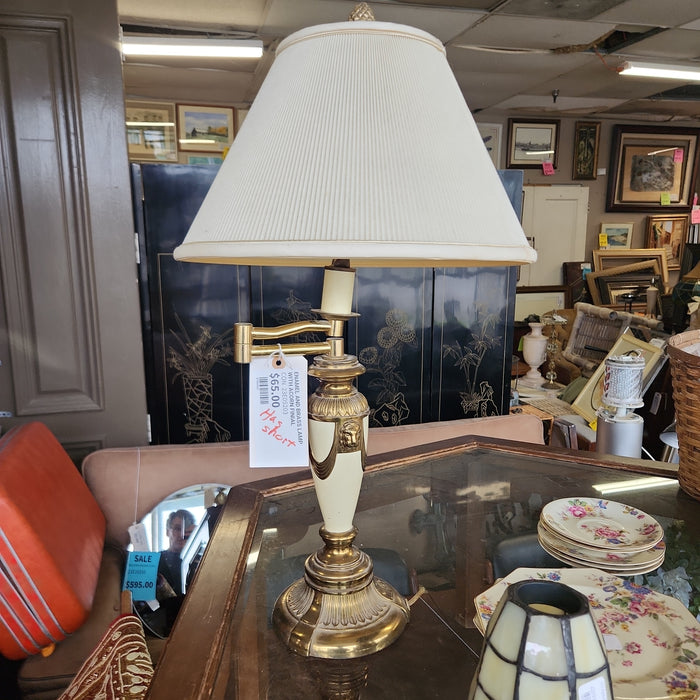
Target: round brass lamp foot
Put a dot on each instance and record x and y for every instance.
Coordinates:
(339, 610)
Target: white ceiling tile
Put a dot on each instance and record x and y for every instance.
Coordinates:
(235, 14)
(443, 23)
(659, 13)
(530, 32)
(671, 43)
(517, 80)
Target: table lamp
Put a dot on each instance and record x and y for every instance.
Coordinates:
(360, 150)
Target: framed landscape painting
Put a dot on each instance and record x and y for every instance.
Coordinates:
(532, 142)
(616, 235)
(202, 128)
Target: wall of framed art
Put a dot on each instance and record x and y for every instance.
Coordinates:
(179, 133)
(625, 186)
(596, 154)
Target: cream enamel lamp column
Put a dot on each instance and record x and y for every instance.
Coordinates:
(359, 150)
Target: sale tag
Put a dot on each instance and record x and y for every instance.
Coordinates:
(695, 215)
(141, 574)
(602, 240)
(547, 168)
(665, 199)
(279, 429)
(678, 155)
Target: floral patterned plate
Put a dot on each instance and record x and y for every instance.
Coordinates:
(607, 559)
(653, 642)
(649, 560)
(600, 523)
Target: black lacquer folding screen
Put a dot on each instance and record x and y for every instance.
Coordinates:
(436, 343)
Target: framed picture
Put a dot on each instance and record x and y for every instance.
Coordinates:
(606, 259)
(539, 300)
(150, 130)
(532, 142)
(598, 281)
(202, 128)
(622, 290)
(586, 139)
(491, 135)
(652, 168)
(668, 233)
(575, 280)
(204, 160)
(615, 235)
(589, 399)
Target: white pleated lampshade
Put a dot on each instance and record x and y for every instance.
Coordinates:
(359, 145)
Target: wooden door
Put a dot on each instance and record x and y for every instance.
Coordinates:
(554, 219)
(70, 336)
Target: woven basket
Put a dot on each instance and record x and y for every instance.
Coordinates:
(685, 376)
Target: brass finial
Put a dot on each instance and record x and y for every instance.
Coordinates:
(362, 12)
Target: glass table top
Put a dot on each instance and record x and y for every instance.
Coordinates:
(444, 522)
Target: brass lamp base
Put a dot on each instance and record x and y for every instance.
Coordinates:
(339, 610)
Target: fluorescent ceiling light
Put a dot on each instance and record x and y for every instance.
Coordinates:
(640, 484)
(193, 47)
(660, 70)
(150, 123)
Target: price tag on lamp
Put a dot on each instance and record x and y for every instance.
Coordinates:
(278, 411)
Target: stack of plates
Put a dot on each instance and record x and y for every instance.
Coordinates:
(592, 532)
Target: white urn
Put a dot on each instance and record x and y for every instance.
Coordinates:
(534, 353)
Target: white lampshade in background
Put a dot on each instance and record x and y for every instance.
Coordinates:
(359, 145)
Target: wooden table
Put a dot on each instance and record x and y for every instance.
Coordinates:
(429, 516)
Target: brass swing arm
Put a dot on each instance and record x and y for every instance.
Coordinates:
(244, 335)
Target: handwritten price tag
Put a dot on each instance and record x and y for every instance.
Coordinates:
(547, 168)
(279, 430)
(665, 199)
(695, 216)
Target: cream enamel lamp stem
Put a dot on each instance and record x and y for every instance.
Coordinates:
(309, 616)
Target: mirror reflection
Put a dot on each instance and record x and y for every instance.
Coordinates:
(179, 527)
